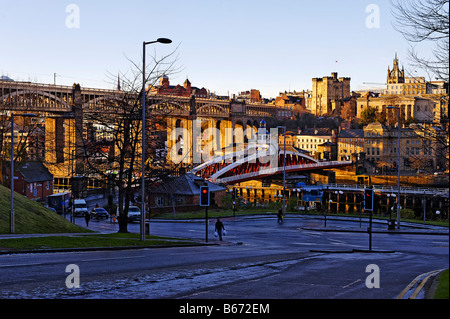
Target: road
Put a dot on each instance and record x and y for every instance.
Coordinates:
(258, 259)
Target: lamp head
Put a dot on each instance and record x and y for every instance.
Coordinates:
(164, 40)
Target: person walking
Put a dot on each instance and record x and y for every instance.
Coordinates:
(219, 228)
(87, 217)
(280, 216)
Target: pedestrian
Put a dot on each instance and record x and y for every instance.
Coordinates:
(280, 216)
(219, 228)
(87, 217)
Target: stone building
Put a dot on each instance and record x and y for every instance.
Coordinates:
(425, 101)
(417, 152)
(310, 139)
(328, 94)
(419, 108)
(350, 144)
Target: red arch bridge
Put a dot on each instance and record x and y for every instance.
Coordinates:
(256, 162)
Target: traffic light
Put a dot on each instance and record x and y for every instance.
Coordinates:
(368, 199)
(204, 196)
(233, 193)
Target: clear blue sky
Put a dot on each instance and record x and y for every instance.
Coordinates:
(224, 45)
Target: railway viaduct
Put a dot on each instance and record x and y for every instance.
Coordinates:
(63, 112)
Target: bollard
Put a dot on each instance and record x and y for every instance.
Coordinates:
(391, 224)
(147, 228)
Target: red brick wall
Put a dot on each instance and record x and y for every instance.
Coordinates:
(43, 189)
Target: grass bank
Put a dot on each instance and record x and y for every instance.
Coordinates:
(32, 217)
(442, 288)
(88, 241)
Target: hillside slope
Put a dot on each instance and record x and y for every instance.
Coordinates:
(32, 217)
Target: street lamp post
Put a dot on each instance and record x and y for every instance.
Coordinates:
(398, 163)
(165, 41)
(12, 223)
(284, 170)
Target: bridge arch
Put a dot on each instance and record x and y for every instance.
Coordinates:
(104, 101)
(171, 108)
(256, 162)
(211, 109)
(35, 94)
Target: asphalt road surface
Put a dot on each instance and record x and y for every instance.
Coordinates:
(258, 259)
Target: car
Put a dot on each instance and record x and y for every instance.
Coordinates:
(99, 212)
(134, 213)
(52, 209)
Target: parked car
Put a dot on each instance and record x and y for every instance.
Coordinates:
(134, 213)
(99, 212)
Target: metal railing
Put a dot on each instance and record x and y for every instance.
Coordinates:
(390, 189)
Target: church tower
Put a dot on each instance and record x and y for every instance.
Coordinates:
(164, 81)
(396, 75)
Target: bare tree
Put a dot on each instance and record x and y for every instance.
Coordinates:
(112, 135)
(421, 21)
(420, 162)
(25, 130)
(434, 144)
(384, 165)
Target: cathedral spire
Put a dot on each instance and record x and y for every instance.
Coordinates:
(396, 75)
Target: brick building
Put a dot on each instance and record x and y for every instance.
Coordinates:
(32, 179)
(290, 104)
(182, 194)
(187, 89)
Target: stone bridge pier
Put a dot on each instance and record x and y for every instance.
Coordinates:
(196, 140)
